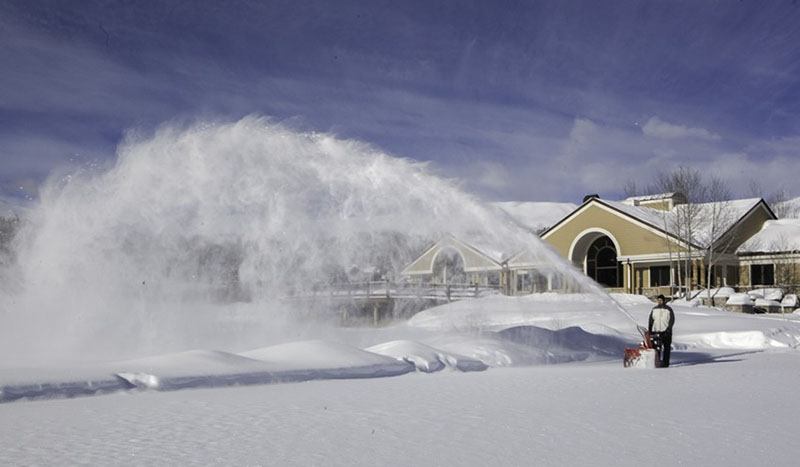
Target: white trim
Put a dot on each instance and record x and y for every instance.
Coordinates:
(770, 259)
(586, 232)
(696, 254)
(484, 269)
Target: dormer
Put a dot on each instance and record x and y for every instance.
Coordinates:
(660, 201)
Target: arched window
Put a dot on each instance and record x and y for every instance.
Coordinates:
(448, 268)
(601, 263)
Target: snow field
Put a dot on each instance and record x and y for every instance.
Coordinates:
(727, 412)
(556, 394)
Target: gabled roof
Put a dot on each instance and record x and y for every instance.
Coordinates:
(659, 220)
(649, 218)
(740, 209)
(475, 259)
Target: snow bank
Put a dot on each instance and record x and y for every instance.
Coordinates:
(531, 345)
(544, 310)
(294, 362)
(329, 360)
(37, 383)
(745, 340)
(494, 351)
(740, 299)
(192, 369)
(790, 300)
(426, 358)
(770, 293)
(567, 341)
(721, 292)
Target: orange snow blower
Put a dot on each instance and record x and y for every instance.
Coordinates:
(644, 356)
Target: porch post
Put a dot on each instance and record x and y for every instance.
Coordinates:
(702, 267)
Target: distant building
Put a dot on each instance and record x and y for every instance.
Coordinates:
(632, 246)
(452, 261)
(629, 246)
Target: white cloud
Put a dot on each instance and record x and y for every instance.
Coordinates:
(658, 128)
(492, 176)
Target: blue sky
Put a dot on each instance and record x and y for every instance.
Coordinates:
(518, 100)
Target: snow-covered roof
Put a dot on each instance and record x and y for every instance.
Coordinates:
(779, 235)
(654, 217)
(534, 215)
(734, 210)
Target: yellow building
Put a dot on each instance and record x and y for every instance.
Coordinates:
(634, 245)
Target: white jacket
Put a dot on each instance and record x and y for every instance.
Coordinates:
(661, 318)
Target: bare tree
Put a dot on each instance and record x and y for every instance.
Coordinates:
(778, 200)
(685, 218)
(719, 218)
(630, 188)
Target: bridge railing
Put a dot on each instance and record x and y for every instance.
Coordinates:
(387, 290)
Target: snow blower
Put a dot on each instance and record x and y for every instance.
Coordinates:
(644, 356)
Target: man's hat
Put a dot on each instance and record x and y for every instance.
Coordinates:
(661, 297)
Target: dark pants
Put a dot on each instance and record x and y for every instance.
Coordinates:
(662, 341)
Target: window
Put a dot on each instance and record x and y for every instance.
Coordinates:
(659, 276)
(602, 264)
(762, 274)
(732, 273)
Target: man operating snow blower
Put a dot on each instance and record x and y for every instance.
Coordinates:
(662, 318)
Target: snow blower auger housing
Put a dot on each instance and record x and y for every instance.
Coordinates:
(644, 356)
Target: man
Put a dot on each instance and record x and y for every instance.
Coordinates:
(662, 318)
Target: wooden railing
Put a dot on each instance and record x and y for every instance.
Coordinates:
(374, 290)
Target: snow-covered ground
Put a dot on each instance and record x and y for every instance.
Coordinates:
(534, 380)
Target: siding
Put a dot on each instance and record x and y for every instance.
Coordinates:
(632, 239)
